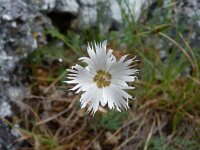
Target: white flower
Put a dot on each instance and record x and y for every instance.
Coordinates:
(103, 80)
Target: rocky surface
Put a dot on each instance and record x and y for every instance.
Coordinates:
(87, 13)
(69, 6)
(106, 13)
(133, 8)
(7, 137)
(189, 12)
(21, 29)
(182, 14)
(61, 6)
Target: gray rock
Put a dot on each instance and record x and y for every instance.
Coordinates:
(47, 5)
(8, 137)
(18, 21)
(67, 6)
(101, 12)
(11, 10)
(5, 137)
(106, 13)
(115, 9)
(59, 6)
(89, 13)
(163, 54)
(185, 14)
(5, 109)
(87, 2)
(133, 8)
(87, 17)
(189, 14)
(189, 8)
(109, 15)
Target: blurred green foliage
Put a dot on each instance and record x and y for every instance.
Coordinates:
(112, 120)
(177, 143)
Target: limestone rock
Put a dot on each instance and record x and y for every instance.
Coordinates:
(69, 6)
(21, 29)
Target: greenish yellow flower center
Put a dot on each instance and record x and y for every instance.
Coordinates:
(102, 78)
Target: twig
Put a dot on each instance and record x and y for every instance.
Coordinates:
(93, 140)
(54, 82)
(195, 80)
(195, 119)
(59, 114)
(76, 132)
(45, 98)
(160, 128)
(127, 124)
(150, 102)
(132, 137)
(149, 136)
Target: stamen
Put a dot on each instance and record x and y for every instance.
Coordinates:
(102, 78)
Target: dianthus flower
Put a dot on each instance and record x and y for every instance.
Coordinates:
(103, 80)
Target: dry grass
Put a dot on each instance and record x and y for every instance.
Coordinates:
(52, 120)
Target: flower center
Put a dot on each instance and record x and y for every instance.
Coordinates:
(102, 78)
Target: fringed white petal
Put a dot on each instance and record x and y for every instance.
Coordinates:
(113, 95)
